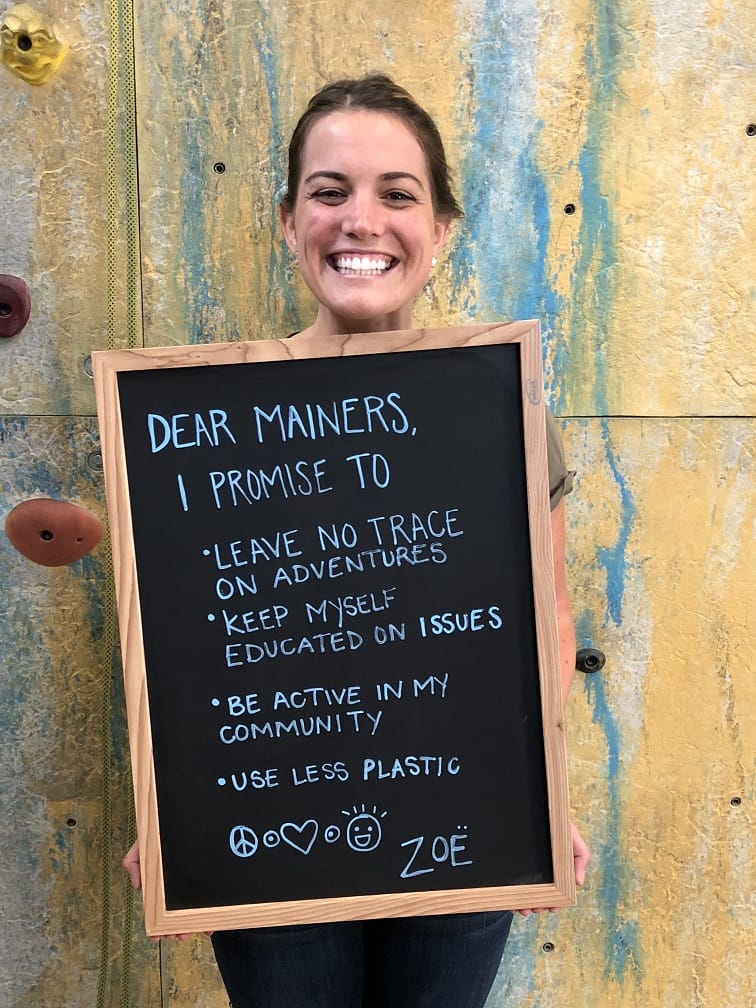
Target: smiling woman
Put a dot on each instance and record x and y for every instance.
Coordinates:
(368, 207)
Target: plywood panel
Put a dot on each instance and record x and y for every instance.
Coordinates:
(55, 664)
(53, 226)
(642, 290)
(663, 739)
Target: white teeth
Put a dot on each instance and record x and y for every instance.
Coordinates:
(362, 264)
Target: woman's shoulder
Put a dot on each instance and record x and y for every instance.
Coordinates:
(561, 479)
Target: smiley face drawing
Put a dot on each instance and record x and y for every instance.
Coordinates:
(363, 833)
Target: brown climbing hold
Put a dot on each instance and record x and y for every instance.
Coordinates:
(15, 305)
(52, 532)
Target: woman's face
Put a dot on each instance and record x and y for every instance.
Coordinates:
(363, 224)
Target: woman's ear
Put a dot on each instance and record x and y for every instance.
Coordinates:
(441, 231)
(286, 217)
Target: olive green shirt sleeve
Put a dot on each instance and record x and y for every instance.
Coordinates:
(560, 477)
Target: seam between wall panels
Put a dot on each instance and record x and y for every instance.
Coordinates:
(122, 270)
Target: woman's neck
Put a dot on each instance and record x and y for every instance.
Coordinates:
(328, 324)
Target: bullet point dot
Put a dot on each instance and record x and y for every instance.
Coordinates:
(211, 617)
(216, 701)
(205, 552)
(222, 781)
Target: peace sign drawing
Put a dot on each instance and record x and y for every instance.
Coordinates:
(243, 841)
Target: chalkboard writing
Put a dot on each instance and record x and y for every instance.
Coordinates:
(338, 628)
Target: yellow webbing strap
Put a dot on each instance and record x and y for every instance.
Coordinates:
(122, 216)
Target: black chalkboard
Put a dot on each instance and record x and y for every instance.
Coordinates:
(335, 584)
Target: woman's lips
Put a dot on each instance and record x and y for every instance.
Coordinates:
(361, 265)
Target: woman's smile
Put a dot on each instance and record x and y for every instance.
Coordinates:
(359, 264)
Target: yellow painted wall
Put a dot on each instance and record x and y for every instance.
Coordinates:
(636, 113)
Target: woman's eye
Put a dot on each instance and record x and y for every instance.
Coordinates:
(397, 196)
(330, 196)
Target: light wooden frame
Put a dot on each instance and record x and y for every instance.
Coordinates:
(158, 919)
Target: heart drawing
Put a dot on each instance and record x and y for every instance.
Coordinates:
(302, 837)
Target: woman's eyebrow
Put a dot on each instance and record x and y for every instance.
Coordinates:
(332, 175)
(335, 176)
(395, 176)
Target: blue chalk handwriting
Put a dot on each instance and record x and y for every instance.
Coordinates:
(312, 421)
(188, 430)
(489, 618)
(233, 487)
(438, 851)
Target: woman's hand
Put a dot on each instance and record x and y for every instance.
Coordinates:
(580, 858)
(580, 854)
(132, 866)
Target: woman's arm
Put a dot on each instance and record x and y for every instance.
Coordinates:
(567, 648)
(565, 626)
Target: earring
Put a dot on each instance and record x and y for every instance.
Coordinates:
(434, 261)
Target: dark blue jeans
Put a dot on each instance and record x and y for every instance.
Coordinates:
(411, 962)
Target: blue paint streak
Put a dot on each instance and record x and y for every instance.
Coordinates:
(195, 160)
(504, 194)
(623, 939)
(203, 303)
(594, 294)
(597, 244)
(614, 558)
(279, 284)
(623, 948)
(595, 284)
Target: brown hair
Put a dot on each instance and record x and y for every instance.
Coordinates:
(378, 93)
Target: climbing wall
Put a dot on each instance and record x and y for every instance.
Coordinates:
(604, 152)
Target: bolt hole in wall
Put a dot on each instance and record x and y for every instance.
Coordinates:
(5, 309)
(548, 946)
(219, 168)
(751, 129)
(70, 822)
(589, 660)
(736, 802)
(569, 209)
(24, 43)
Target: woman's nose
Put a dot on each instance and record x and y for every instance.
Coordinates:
(363, 217)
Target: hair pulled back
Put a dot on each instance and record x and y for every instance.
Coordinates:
(378, 93)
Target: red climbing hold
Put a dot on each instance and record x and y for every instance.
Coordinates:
(52, 532)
